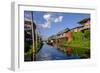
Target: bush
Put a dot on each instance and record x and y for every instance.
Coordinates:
(87, 34)
(27, 47)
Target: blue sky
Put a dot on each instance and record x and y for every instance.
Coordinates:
(50, 23)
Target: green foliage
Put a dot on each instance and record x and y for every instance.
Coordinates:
(27, 47)
(77, 36)
(80, 43)
(87, 34)
(31, 50)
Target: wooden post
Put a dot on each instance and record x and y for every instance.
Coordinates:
(56, 43)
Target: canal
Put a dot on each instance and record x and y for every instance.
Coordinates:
(49, 52)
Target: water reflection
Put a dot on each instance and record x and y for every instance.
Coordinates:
(51, 53)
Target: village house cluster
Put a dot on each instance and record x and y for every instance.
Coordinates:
(67, 35)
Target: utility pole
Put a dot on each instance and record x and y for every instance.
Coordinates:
(33, 45)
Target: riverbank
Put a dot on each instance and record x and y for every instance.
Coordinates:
(80, 44)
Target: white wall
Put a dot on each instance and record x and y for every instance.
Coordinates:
(5, 37)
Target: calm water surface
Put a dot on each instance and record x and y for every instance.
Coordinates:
(48, 52)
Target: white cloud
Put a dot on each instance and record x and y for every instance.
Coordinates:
(47, 24)
(49, 18)
(59, 19)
